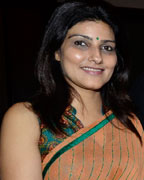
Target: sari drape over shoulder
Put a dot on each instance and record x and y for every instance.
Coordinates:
(101, 151)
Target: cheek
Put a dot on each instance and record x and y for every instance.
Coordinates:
(78, 56)
(111, 63)
(115, 62)
(73, 56)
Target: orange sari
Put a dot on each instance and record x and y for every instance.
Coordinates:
(98, 152)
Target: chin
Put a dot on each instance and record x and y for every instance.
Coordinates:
(93, 88)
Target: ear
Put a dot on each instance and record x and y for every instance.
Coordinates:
(57, 55)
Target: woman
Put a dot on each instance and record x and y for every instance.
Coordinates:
(80, 125)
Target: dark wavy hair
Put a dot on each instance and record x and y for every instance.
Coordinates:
(56, 94)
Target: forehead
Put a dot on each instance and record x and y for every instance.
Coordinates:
(92, 29)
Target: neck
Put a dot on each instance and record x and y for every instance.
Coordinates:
(88, 107)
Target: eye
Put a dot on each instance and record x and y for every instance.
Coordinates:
(107, 48)
(80, 43)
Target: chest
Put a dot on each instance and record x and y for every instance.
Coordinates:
(108, 154)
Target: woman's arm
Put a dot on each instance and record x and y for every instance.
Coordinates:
(20, 156)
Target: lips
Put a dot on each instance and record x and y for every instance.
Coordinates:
(92, 69)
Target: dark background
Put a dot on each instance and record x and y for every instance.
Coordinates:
(21, 35)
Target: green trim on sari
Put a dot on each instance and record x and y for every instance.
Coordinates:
(77, 141)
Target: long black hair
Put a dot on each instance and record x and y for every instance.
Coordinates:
(55, 93)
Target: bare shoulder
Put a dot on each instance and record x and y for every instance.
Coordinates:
(20, 117)
(20, 109)
(20, 133)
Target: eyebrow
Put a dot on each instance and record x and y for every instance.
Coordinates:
(106, 41)
(89, 38)
(84, 36)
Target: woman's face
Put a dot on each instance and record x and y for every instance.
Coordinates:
(88, 55)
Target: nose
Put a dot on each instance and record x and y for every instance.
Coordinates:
(95, 56)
